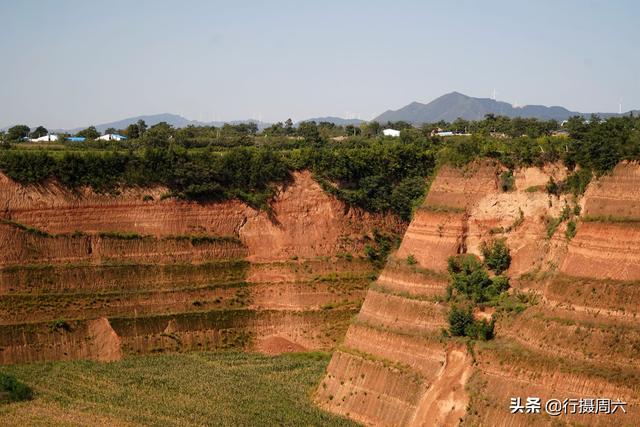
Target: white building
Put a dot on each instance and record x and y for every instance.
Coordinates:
(112, 137)
(46, 138)
(391, 132)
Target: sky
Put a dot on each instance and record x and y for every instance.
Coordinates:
(71, 63)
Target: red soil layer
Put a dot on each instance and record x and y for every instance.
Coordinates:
(273, 345)
(502, 375)
(92, 339)
(368, 391)
(432, 237)
(401, 314)
(616, 194)
(445, 402)
(526, 179)
(96, 279)
(305, 221)
(406, 280)
(18, 247)
(422, 354)
(306, 296)
(604, 251)
(460, 188)
(82, 275)
(590, 322)
(521, 218)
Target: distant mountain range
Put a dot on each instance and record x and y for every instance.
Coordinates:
(179, 122)
(336, 121)
(455, 105)
(448, 107)
(172, 119)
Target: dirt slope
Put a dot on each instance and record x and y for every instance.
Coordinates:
(579, 339)
(137, 272)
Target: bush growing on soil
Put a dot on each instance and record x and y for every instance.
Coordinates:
(553, 187)
(463, 324)
(571, 230)
(496, 255)
(577, 182)
(471, 280)
(411, 260)
(379, 249)
(14, 389)
(459, 321)
(60, 325)
(507, 181)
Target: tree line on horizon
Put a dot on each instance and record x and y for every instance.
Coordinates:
(371, 171)
(510, 127)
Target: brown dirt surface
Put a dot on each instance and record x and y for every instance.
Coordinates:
(105, 340)
(274, 344)
(445, 402)
(615, 194)
(535, 177)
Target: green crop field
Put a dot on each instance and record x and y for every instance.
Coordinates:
(190, 389)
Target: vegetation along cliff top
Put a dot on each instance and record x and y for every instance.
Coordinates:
(357, 164)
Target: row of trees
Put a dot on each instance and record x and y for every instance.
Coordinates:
(373, 175)
(512, 127)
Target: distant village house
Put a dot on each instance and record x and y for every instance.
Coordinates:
(391, 132)
(112, 137)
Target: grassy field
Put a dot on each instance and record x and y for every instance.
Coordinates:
(193, 389)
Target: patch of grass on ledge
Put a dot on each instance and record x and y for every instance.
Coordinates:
(119, 235)
(611, 218)
(441, 208)
(28, 229)
(204, 239)
(402, 264)
(223, 388)
(509, 352)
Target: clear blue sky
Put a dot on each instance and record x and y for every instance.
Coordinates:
(74, 63)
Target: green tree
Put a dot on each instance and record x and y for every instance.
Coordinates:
(17, 133)
(469, 279)
(507, 181)
(89, 133)
(460, 320)
(158, 135)
(496, 255)
(309, 131)
(288, 127)
(142, 127)
(132, 131)
(38, 132)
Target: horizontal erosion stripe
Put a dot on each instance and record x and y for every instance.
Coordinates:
(421, 354)
(395, 312)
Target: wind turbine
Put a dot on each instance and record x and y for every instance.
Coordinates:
(620, 106)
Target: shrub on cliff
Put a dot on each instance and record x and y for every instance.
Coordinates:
(379, 248)
(507, 181)
(469, 279)
(496, 255)
(459, 320)
(577, 182)
(463, 324)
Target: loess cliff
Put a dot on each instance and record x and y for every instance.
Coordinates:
(578, 337)
(102, 276)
